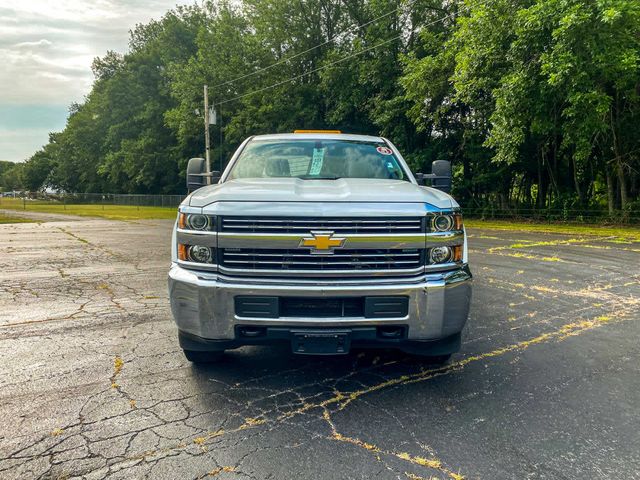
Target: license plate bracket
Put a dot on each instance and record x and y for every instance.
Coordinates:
(334, 342)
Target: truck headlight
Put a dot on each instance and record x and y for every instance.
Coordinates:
(445, 222)
(440, 254)
(196, 253)
(445, 254)
(442, 223)
(196, 221)
(200, 254)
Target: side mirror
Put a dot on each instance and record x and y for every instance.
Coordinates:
(441, 169)
(440, 176)
(197, 175)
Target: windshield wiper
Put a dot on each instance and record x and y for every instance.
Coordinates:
(320, 177)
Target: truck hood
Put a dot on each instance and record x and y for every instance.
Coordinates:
(347, 190)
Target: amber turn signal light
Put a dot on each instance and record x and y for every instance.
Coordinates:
(317, 131)
(182, 220)
(457, 221)
(183, 252)
(457, 253)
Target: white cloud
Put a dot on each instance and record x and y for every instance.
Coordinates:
(43, 42)
(46, 50)
(47, 46)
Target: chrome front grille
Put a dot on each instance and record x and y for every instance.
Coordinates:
(305, 225)
(344, 259)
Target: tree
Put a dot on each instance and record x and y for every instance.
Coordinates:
(10, 176)
(37, 169)
(535, 102)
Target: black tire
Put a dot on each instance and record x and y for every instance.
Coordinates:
(196, 356)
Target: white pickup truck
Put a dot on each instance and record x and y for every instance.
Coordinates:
(323, 241)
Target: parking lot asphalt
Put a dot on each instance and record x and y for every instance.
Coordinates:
(94, 385)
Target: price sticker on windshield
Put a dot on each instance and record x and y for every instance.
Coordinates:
(316, 161)
(384, 151)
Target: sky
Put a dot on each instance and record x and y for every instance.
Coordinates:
(46, 50)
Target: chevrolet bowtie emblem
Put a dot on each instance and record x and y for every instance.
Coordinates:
(322, 243)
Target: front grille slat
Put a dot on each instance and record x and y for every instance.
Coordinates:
(258, 220)
(390, 228)
(283, 259)
(335, 255)
(359, 264)
(342, 225)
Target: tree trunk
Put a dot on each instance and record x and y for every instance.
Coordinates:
(555, 178)
(622, 181)
(542, 188)
(576, 182)
(466, 170)
(611, 197)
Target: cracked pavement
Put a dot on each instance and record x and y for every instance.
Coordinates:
(94, 385)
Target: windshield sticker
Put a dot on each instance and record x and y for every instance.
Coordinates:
(316, 161)
(384, 151)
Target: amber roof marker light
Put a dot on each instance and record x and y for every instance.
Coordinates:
(317, 131)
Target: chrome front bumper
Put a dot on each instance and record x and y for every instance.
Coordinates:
(203, 303)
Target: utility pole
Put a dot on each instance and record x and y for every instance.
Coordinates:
(207, 145)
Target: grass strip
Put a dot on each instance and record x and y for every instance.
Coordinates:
(12, 219)
(113, 212)
(623, 233)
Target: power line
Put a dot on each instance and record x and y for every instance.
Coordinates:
(360, 52)
(309, 72)
(335, 37)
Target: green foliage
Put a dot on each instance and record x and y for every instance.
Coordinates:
(11, 176)
(556, 80)
(536, 102)
(35, 172)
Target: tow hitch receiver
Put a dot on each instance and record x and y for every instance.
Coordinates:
(323, 342)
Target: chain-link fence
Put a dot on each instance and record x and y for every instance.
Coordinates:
(33, 200)
(60, 201)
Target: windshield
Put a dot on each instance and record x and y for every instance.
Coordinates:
(317, 160)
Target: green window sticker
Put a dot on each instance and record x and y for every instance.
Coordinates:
(316, 161)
